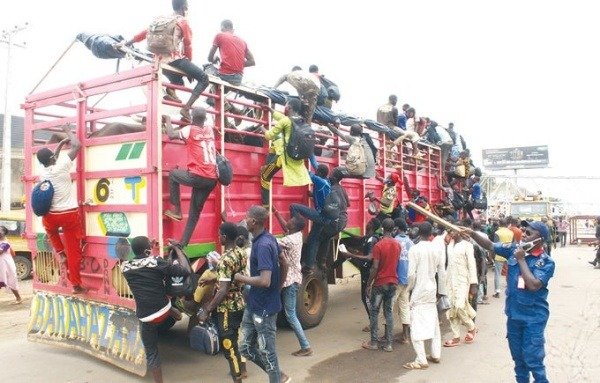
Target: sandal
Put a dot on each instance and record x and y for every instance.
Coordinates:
(470, 337)
(415, 366)
(174, 216)
(452, 343)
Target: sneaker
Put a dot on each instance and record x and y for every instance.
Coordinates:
(174, 216)
(303, 352)
(79, 290)
(387, 348)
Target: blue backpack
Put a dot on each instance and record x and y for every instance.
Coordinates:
(41, 198)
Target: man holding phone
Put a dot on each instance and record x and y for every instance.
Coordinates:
(529, 271)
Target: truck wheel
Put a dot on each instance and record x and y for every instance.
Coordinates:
(312, 299)
(23, 267)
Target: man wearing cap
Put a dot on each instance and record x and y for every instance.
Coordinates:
(526, 307)
(64, 210)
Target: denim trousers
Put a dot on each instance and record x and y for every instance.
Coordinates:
(258, 343)
(313, 239)
(290, 296)
(382, 294)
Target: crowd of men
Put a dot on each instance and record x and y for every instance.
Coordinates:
(404, 259)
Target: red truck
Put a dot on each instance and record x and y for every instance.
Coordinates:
(121, 181)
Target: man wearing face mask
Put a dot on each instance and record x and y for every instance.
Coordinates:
(529, 271)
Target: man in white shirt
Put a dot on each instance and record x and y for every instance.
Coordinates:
(64, 210)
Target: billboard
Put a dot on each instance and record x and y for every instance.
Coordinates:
(524, 157)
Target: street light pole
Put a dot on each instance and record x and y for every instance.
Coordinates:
(6, 38)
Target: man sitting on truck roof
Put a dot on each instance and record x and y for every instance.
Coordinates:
(201, 172)
(235, 55)
(64, 210)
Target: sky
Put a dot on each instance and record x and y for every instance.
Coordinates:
(507, 73)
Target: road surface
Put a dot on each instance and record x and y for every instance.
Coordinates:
(572, 343)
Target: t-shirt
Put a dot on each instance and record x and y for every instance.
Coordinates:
(517, 233)
(401, 123)
(292, 251)
(233, 52)
(503, 235)
(264, 256)
(60, 176)
(201, 152)
(444, 135)
(476, 191)
(387, 252)
(232, 261)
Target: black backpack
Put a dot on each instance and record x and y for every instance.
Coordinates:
(181, 286)
(331, 206)
(302, 140)
(333, 90)
(458, 201)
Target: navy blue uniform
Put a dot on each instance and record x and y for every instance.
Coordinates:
(527, 313)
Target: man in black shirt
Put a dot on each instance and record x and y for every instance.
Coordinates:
(145, 276)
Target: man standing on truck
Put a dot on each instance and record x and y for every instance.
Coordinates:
(64, 210)
(259, 324)
(145, 276)
(201, 172)
(308, 87)
(180, 57)
(294, 171)
(235, 55)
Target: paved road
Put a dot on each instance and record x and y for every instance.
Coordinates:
(573, 343)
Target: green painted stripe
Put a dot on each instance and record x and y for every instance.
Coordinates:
(198, 250)
(124, 152)
(136, 152)
(353, 230)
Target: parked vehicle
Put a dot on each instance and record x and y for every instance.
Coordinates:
(15, 223)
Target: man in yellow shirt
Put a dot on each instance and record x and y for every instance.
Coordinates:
(503, 235)
(294, 171)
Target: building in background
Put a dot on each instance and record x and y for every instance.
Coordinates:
(17, 144)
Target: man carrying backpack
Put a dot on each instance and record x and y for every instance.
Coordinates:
(360, 160)
(64, 209)
(201, 172)
(308, 87)
(170, 39)
(279, 157)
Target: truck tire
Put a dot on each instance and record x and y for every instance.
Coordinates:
(312, 299)
(23, 267)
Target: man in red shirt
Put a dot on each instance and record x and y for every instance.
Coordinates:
(382, 284)
(181, 58)
(235, 55)
(201, 172)
(514, 227)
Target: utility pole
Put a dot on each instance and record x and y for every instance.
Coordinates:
(7, 38)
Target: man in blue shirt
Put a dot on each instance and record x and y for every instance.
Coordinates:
(526, 297)
(264, 297)
(320, 218)
(402, 291)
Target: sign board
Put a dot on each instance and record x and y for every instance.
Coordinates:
(524, 157)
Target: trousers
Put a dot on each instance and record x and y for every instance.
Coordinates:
(526, 344)
(70, 222)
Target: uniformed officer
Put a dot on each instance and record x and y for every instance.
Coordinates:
(529, 270)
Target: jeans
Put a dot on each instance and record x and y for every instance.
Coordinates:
(201, 188)
(258, 343)
(290, 295)
(526, 344)
(149, 335)
(313, 239)
(563, 238)
(382, 294)
(228, 324)
(191, 70)
(233, 79)
(497, 274)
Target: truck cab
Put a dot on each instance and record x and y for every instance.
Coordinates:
(14, 221)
